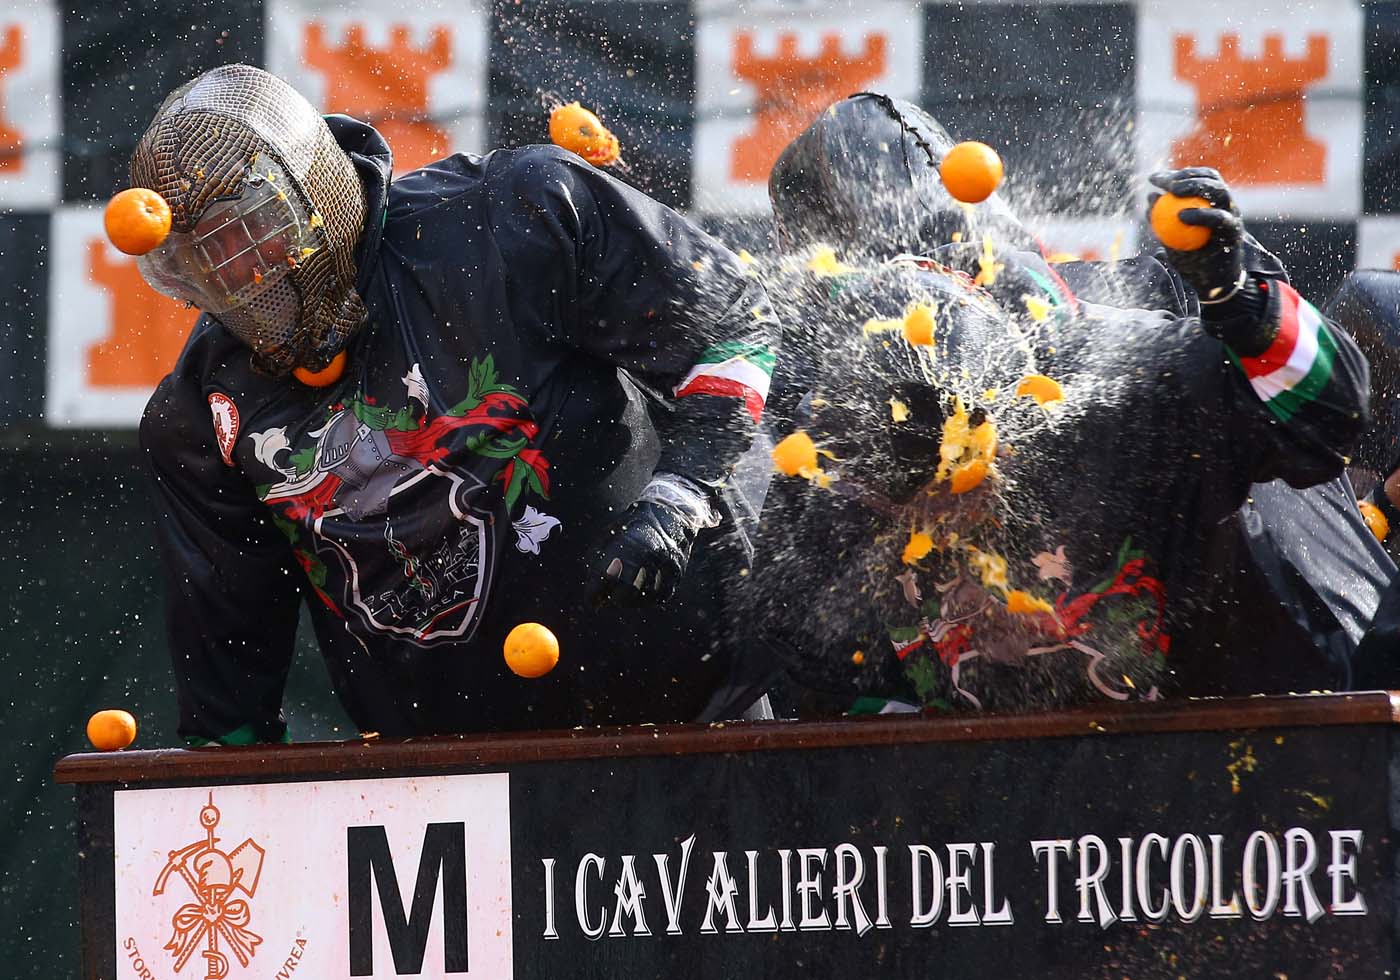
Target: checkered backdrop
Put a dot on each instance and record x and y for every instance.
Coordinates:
(1297, 103)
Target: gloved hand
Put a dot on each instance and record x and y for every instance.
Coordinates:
(1216, 268)
(650, 546)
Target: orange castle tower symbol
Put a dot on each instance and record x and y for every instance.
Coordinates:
(148, 329)
(385, 85)
(1251, 111)
(791, 90)
(217, 919)
(11, 57)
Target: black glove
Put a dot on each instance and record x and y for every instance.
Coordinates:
(1216, 268)
(646, 556)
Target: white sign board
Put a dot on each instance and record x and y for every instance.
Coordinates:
(30, 101)
(111, 337)
(353, 878)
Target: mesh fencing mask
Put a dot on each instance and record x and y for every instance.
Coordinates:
(266, 212)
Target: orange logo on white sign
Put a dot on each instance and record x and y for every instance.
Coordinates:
(1250, 111)
(148, 329)
(217, 919)
(790, 90)
(385, 85)
(11, 58)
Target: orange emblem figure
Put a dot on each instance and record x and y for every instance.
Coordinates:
(148, 329)
(386, 86)
(11, 57)
(1251, 111)
(217, 919)
(791, 90)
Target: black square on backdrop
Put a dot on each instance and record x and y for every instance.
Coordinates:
(1051, 86)
(121, 59)
(24, 305)
(1317, 254)
(631, 63)
(1380, 180)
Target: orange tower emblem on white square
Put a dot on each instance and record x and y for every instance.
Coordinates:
(386, 85)
(791, 89)
(1250, 111)
(11, 57)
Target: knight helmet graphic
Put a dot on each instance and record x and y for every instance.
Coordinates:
(390, 500)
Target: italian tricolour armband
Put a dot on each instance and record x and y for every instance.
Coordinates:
(1296, 367)
(735, 370)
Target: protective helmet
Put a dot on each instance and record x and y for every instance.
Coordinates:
(864, 177)
(266, 211)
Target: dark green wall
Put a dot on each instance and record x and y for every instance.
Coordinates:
(81, 612)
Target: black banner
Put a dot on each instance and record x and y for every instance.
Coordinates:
(1196, 854)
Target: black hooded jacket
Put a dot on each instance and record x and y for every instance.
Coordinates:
(1119, 510)
(541, 338)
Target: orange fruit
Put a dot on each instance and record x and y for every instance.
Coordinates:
(1023, 603)
(137, 220)
(111, 729)
(920, 544)
(328, 375)
(1041, 388)
(1375, 519)
(982, 441)
(1170, 230)
(918, 325)
(971, 171)
(531, 650)
(796, 455)
(968, 476)
(575, 128)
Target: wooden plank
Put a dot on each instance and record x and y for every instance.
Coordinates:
(445, 753)
(96, 882)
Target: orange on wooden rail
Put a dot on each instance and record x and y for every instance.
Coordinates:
(111, 729)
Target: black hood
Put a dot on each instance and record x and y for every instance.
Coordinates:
(374, 162)
(1367, 305)
(864, 179)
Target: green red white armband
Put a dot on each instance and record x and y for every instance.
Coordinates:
(1297, 365)
(732, 370)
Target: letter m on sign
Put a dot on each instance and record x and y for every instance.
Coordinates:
(444, 857)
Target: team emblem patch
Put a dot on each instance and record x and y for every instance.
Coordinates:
(225, 414)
